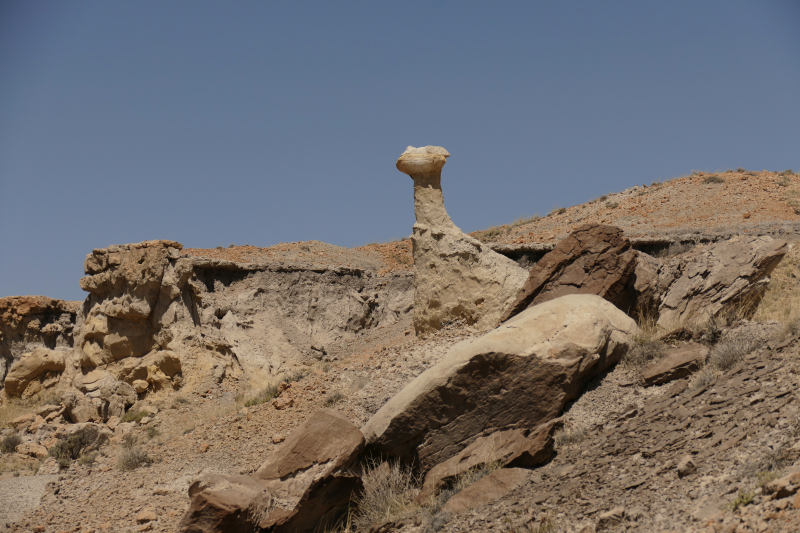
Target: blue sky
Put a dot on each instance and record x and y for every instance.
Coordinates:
(213, 123)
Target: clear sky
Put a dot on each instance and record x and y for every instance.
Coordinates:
(213, 123)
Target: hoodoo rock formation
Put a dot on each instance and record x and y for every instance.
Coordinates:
(455, 275)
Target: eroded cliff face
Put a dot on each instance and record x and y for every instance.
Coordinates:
(158, 320)
(30, 322)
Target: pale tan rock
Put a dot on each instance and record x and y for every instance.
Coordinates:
(517, 376)
(686, 466)
(79, 408)
(455, 275)
(113, 422)
(146, 515)
(36, 424)
(31, 366)
(703, 282)
(140, 385)
(22, 421)
(283, 402)
(32, 449)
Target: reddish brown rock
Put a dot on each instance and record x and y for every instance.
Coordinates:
(304, 484)
(488, 489)
(516, 447)
(594, 259)
(677, 363)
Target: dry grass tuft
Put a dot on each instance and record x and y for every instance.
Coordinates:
(389, 492)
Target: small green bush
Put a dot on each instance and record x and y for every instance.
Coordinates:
(612, 205)
(267, 394)
(130, 416)
(742, 499)
(10, 442)
(153, 432)
(88, 459)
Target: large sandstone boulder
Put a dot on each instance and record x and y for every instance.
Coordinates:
(519, 375)
(594, 259)
(40, 363)
(708, 279)
(304, 484)
(455, 275)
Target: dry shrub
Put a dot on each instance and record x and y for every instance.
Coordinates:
(133, 458)
(567, 436)
(389, 492)
(10, 442)
(724, 356)
(643, 354)
(334, 398)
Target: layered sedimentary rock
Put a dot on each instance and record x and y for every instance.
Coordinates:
(517, 376)
(157, 319)
(710, 279)
(455, 275)
(594, 259)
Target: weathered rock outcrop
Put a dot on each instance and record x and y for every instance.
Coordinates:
(594, 259)
(711, 278)
(517, 376)
(30, 322)
(158, 319)
(455, 275)
(304, 484)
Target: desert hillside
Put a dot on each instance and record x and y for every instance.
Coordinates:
(626, 364)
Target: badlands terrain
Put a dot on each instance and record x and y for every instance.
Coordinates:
(179, 395)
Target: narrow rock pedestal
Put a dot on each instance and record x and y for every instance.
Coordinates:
(455, 275)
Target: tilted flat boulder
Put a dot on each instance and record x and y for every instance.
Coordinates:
(455, 275)
(303, 484)
(513, 447)
(677, 363)
(593, 259)
(519, 375)
(704, 281)
(487, 489)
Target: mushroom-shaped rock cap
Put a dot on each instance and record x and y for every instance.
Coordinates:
(422, 160)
